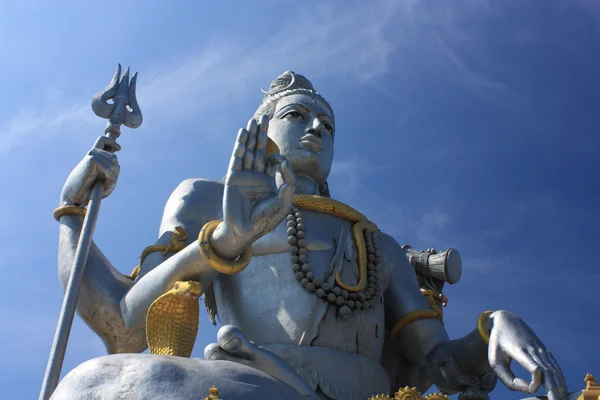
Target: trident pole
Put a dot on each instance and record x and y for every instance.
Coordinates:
(124, 110)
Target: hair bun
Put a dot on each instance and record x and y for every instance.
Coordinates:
(287, 81)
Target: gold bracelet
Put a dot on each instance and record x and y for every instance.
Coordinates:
(216, 262)
(69, 210)
(411, 317)
(484, 332)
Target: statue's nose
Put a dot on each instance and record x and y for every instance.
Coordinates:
(316, 128)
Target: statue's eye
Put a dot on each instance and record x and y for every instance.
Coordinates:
(328, 128)
(295, 115)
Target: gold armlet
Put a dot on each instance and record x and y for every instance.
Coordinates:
(216, 262)
(484, 332)
(411, 317)
(176, 244)
(69, 210)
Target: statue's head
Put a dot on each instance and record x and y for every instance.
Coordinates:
(301, 124)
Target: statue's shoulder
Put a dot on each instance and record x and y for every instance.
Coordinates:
(194, 200)
(194, 190)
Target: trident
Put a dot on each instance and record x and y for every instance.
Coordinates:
(124, 110)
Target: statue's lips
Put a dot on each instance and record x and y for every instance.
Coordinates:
(312, 142)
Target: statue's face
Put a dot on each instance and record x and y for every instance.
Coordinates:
(302, 127)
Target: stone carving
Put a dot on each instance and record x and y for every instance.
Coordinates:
(316, 302)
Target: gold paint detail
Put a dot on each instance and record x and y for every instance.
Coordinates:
(213, 394)
(359, 239)
(409, 393)
(482, 328)
(69, 210)
(411, 317)
(438, 296)
(338, 209)
(134, 273)
(272, 148)
(436, 396)
(213, 260)
(176, 244)
(433, 298)
(592, 389)
(172, 320)
(328, 206)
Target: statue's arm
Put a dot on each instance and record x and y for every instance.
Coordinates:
(111, 304)
(101, 290)
(194, 203)
(424, 341)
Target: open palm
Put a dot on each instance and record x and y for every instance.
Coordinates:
(252, 203)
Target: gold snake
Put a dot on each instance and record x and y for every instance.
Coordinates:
(326, 205)
(172, 320)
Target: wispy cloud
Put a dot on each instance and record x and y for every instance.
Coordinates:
(328, 40)
(309, 43)
(430, 227)
(28, 126)
(348, 182)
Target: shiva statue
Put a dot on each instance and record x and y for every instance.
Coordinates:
(314, 300)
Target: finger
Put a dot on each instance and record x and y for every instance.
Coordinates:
(534, 368)
(250, 144)
(547, 355)
(508, 378)
(500, 363)
(289, 181)
(270, 169)
(239, 150)
(552, 381)
(252, 126)
(261, 147)
(548, 379)
(264, 125)
(106, 169)
(552, 390)
(108, 144)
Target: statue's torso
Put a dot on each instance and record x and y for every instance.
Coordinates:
(268, 303)
(270, 306)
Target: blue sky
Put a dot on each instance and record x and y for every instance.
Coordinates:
(466, 124)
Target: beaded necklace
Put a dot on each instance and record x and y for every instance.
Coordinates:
(346, 298)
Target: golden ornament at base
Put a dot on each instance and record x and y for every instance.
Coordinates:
(213, 394)
(592, 389)
(409, 393)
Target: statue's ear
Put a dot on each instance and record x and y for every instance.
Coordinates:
(324, 189)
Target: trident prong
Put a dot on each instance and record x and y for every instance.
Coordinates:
(122, 93)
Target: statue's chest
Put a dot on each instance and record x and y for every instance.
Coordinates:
(315, 237)
(270, 302)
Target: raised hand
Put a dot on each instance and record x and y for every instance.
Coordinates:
(252, 203)
(512, 340)
(99, 164)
